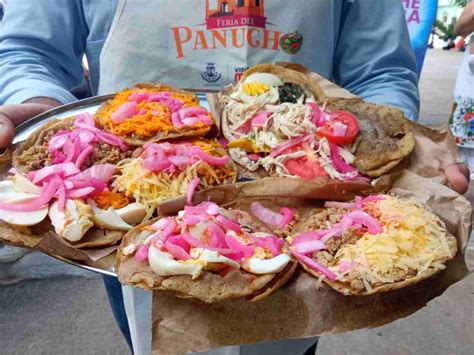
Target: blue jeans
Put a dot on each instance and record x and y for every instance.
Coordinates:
(114, 293)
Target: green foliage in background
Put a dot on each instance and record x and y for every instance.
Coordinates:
(445, 31)
(461, 3)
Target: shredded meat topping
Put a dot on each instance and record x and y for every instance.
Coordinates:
(37, 156)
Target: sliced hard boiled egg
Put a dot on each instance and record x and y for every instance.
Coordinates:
(9, 194)
(265, 78)
(29, 218)
(256, 93)
(204, 257)
(163, 264)
(132, 213)
(109, 219)
(73, 222)
(266, 266)
(22, 184)
(6, 185)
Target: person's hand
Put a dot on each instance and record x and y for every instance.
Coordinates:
(13, 115)
(458, 177)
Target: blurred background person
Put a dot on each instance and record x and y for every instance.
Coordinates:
(462, 117)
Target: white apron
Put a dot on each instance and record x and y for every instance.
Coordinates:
(207, 44)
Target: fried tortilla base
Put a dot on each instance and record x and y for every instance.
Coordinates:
(30, 236)
(29, 148)
(174, 133)
(385, 137)
(345, 287)
(208, 287)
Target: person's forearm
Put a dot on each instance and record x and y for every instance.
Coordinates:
(374, 58)
(465, 25)
(43, 101)
(37, 60)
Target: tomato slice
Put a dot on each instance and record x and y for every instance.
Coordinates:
(305, 168)
(346, 118)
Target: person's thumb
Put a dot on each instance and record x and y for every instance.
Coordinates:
(13, 115)
(457, 176)
(7, 131)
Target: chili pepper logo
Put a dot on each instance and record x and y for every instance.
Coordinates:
(291, 42)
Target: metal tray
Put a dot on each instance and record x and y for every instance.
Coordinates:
(89, 105)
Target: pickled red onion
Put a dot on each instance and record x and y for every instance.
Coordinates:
(191, 111)
(274, 218)
(138, 96)
(281, 148)
(224, 142)
(338, 162)
(111, 140)
(156, 165)
(345, 267)
(373, 198)
(212, 208)
(191, 121)
(212, 160)
(254, 157)
(84, 119)
(315, 111)
(245, 250)
(373, 226)
(78, 193)
(63, 170)
(315, 265)
(82, 138)
(306, 237)
(179, 241)
(102, 172)
(309, 247)
(141, 254)
(273, 243)
(217, 236)
(47, 193)
(288, 216)
(260, 119)
(228, 224)
(124, 112)
(83, 156)
(161, 223)
(177, 251)
(165, 156)
(192, 187)
(180, 161)
(64, 181)
(198, 244)
(164, 229)
(176, 120)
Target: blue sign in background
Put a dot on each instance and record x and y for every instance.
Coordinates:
(420, 16)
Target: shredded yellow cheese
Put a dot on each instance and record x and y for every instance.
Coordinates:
(412, 239)
(151, 189)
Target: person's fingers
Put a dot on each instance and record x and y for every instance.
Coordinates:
(20, 113)
(13, 115)
(458, 177)
(7, 132)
